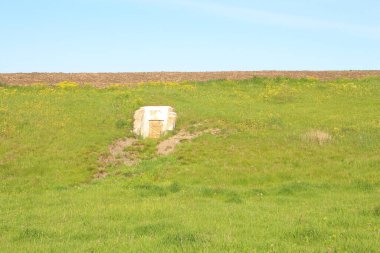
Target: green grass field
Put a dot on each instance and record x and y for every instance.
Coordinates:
(264, 184)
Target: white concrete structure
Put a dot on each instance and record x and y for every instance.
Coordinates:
(154, 121)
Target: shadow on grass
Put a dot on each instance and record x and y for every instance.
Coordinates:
(228, 196)
(152, 190)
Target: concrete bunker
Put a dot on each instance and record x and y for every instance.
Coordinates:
(154, 121)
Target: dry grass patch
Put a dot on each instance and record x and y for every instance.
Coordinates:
(317, 136)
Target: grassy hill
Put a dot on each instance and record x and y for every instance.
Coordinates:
(295, 168)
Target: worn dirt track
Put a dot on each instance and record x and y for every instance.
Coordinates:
(104, 79)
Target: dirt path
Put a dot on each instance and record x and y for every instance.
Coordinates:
(168, 146)
(104, 79)
(118, 153)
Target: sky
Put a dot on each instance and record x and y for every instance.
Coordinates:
(188, 35)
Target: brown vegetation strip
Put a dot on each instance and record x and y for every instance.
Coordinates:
(104, 79)
(167, 146)
(118, 154)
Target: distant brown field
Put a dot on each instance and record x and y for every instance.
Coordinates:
(104, 79)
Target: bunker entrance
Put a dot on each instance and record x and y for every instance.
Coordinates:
(155, 128)
(154, 121)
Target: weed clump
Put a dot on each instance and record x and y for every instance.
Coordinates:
(307, 234)
(122, 123)
(376, 211)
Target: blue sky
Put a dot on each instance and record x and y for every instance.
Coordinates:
(187, 35)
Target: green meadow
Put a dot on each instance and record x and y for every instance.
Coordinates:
(295, 168)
